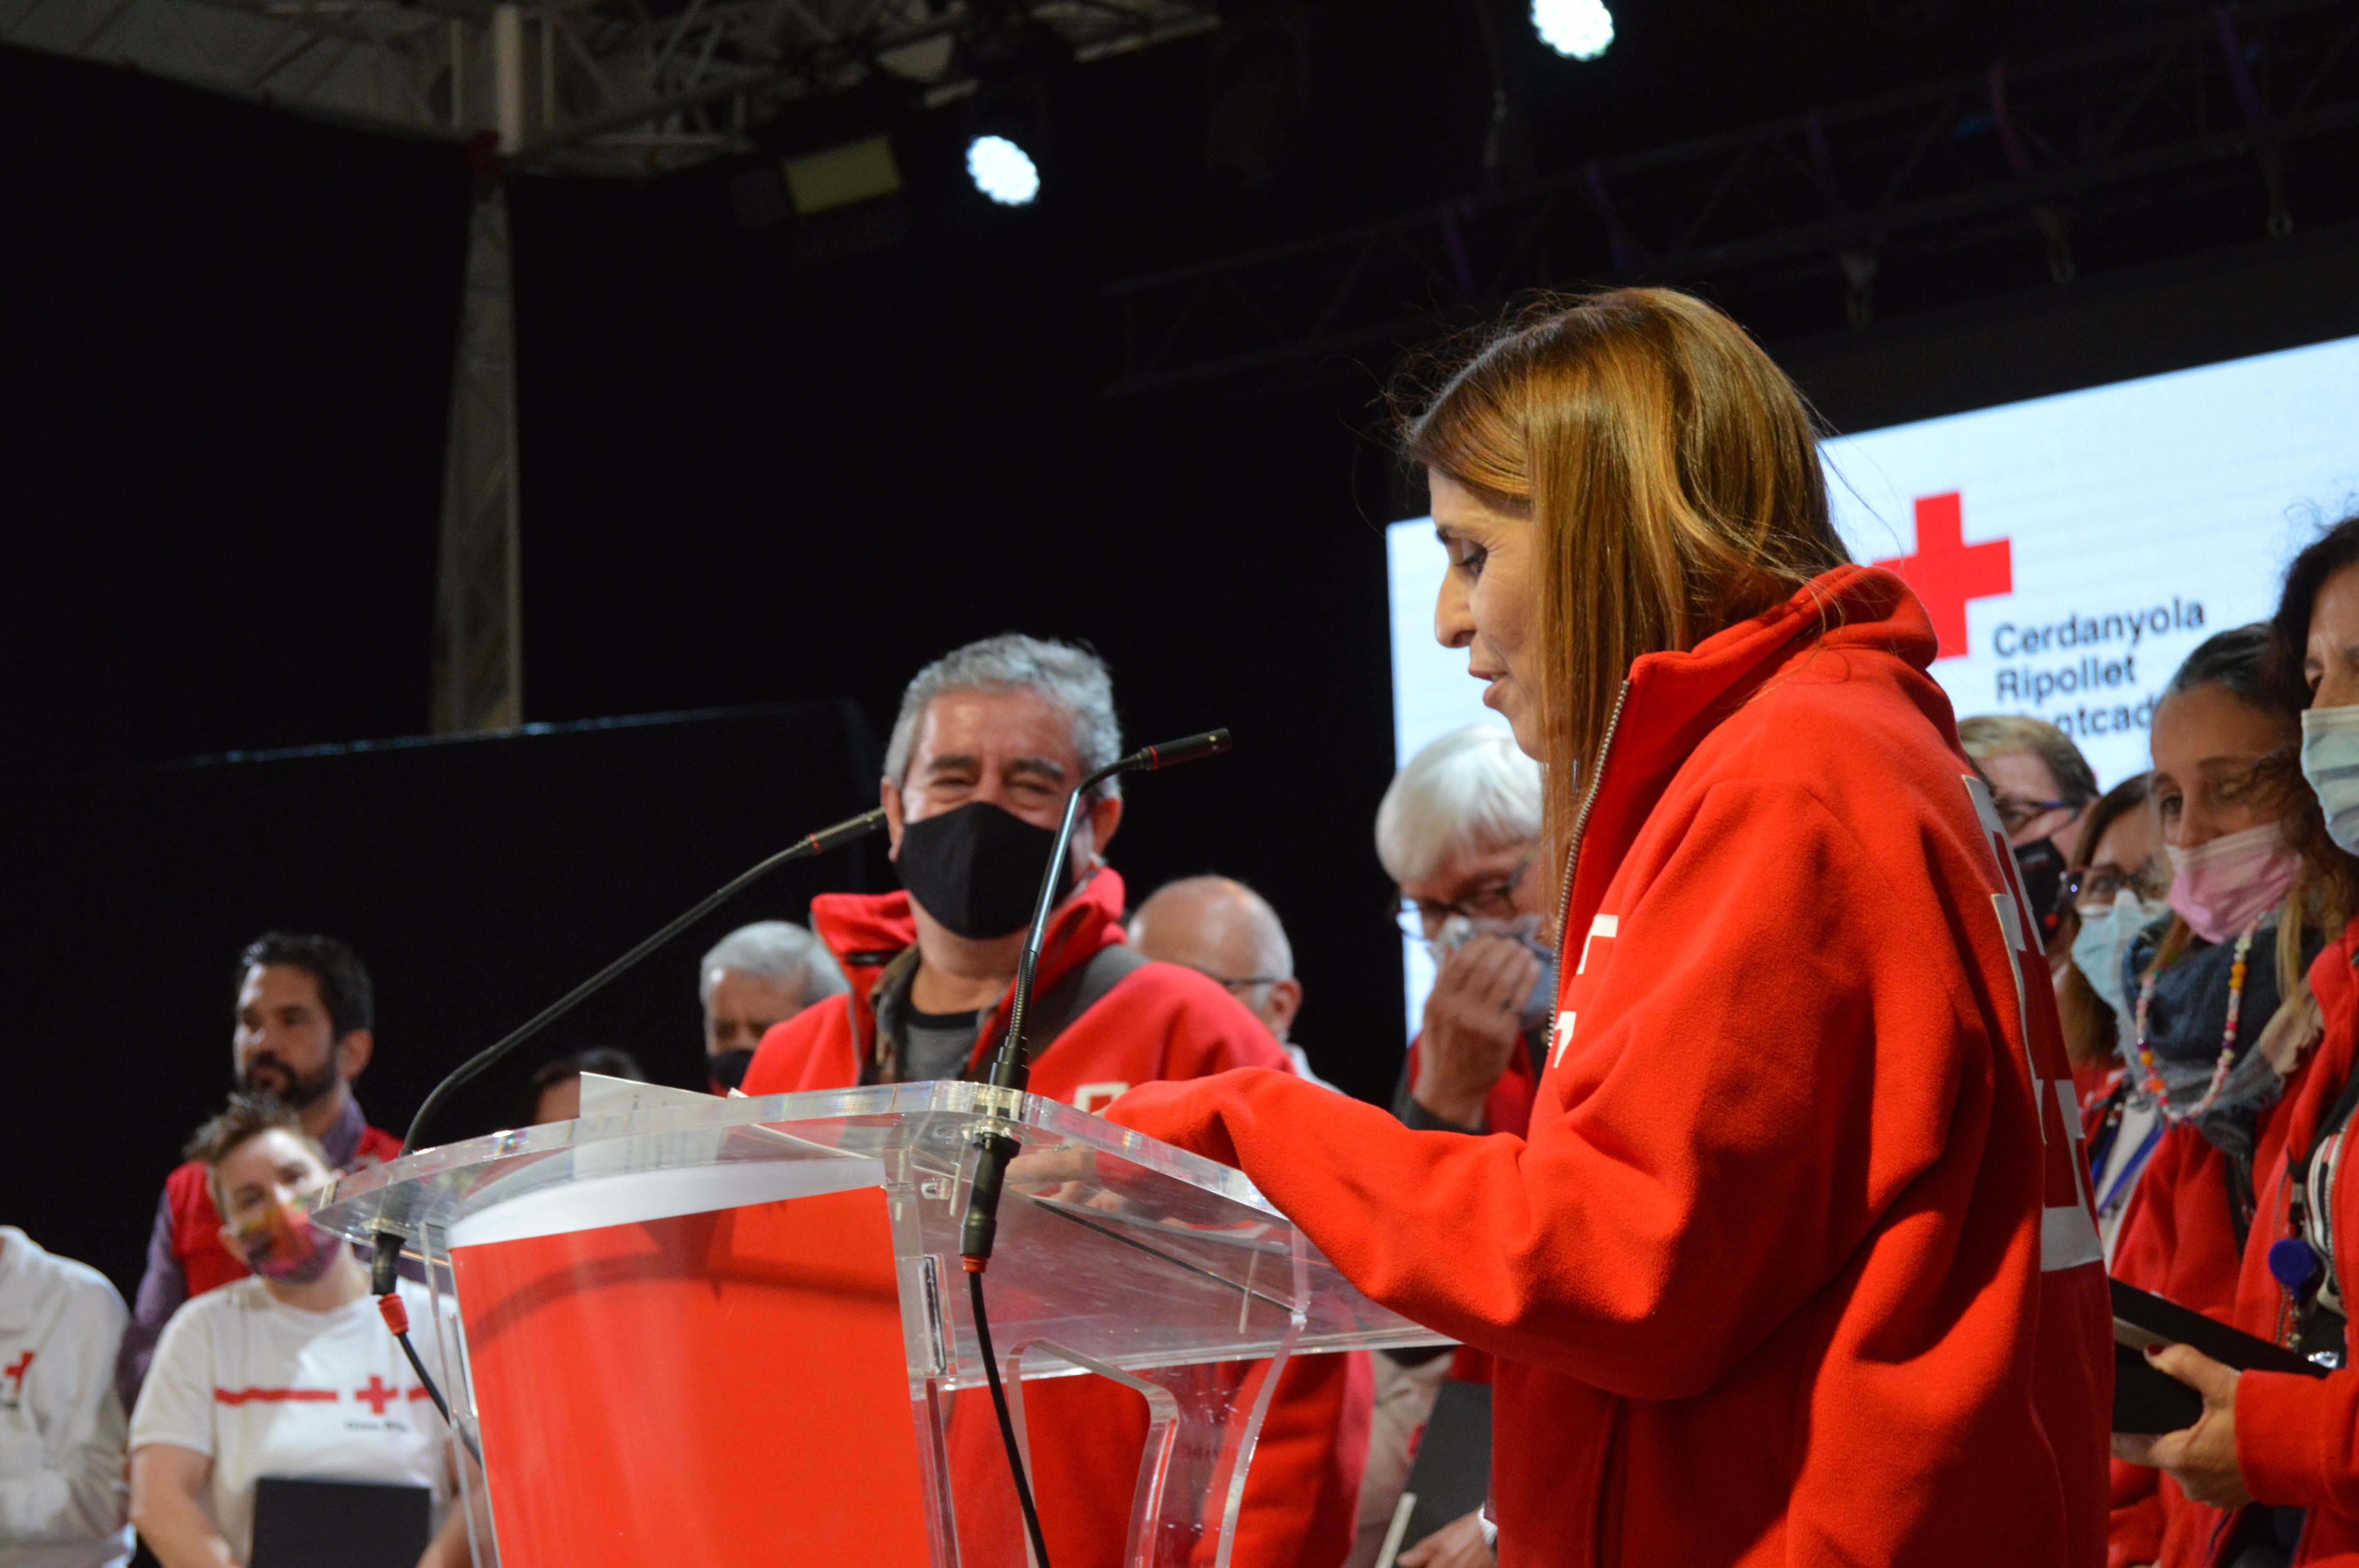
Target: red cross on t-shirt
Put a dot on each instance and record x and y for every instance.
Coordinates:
(377, 1396)
(23, 1364)
(1946, 571)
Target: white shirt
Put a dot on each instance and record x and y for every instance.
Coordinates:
(270, 1390)
(63, 1498)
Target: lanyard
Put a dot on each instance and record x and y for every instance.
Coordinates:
(2119, 1191)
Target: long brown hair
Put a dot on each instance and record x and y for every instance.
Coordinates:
(1673, 470)
(2326, 889)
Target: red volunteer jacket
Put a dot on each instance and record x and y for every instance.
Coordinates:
(2298, 1438)
(2177, 1241)
(196, 1223)
(1797, 1264)
(1161, 1020)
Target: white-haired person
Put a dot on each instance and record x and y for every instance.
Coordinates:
(1457, 832)
(755, 978)
(286, 1374)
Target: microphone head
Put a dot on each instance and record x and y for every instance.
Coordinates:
(1172, 753)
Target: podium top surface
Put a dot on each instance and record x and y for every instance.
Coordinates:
(1107, 1232)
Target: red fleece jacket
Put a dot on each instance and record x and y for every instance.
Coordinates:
(1797, 1264)
(2298, 1438)
(1161, 1020)
(2177, 1241)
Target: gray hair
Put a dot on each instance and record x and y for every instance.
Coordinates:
(1988, 735)
(1469, 792)
(775, 950)
(1072, 676)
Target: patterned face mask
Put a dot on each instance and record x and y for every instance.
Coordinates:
(283, 1245)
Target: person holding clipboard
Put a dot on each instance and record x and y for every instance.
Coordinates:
(1796, 1262)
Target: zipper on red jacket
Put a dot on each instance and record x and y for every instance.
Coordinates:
(1573, 853)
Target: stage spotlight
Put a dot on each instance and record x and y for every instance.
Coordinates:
(1579, 29)
(1002, 171)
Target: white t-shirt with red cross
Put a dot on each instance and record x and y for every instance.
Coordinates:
(270, 1390)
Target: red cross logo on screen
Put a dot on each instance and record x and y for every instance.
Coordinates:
(1946, 571)
(377, 1396)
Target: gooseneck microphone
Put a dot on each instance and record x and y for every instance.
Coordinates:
(1011, 1067)
(388, 1242)
(994, 1145)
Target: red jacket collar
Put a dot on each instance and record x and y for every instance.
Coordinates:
(1675, 699)
(867, 931)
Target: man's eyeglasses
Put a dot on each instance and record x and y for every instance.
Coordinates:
(1237, 987)
(2018, 814)
(1420, 918)
(2102, 884)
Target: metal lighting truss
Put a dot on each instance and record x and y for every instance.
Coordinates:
(612, 87)
(594, 87)
(2222, 100)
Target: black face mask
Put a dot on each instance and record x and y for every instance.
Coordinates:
(727, 1068)
(977, 868)
(2041, 866)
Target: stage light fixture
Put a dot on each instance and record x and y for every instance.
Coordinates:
(1002, 171)
(1578, 30)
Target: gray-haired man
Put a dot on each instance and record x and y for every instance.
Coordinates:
(757, 976)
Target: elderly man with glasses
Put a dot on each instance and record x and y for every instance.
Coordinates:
(1223, 929)
(1458, 832)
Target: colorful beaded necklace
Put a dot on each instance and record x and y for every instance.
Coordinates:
(2155, 1088)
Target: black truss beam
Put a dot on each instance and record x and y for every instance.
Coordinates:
(2228, 105)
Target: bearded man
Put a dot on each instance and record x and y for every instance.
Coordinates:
(304, 1031)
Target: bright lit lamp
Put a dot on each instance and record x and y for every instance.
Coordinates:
(1579, 29)
(1002, 171)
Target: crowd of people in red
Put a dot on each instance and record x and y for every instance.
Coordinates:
(1800, 1064)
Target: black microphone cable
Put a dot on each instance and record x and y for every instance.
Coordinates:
(1011, 1068)
(386, 1266)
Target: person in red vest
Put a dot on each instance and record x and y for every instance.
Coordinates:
(1796, 1261)
(990, 742)
(2269, 1474)
(304, 1031)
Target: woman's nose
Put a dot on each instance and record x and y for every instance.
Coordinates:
(1454, 618)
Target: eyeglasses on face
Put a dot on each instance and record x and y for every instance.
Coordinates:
(2020, 814)
(1421, 919)
(2102, 884)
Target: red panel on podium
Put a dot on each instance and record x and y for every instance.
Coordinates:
(615, 1370)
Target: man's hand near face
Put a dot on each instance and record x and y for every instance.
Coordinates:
(1473, 1027)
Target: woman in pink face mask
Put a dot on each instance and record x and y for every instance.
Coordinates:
(2223, 1023)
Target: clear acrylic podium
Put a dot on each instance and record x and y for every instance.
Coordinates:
(737, 1332)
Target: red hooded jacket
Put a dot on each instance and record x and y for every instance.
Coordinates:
(2177, 1241)
(2298, 1438)
(1161, 1020)
(1797, 1264)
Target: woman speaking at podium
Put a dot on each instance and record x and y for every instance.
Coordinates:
(1796, 1264)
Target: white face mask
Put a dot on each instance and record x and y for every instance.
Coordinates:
(2103, 943)
(1459, 930)
(2330, 761)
